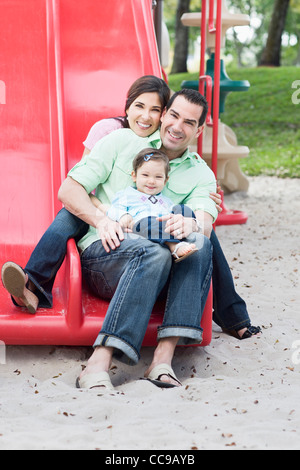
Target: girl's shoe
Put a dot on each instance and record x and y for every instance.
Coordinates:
(178, 259)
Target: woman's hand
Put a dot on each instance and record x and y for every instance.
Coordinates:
(217, 198)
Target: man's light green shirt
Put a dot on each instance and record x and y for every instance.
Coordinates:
(108, 169)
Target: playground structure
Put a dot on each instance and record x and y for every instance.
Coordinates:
(64, 65)
(228, 169)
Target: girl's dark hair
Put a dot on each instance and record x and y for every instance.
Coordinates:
(150, 154)
(146, 84)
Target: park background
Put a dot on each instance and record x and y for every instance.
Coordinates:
(266, 118)
(236, 395)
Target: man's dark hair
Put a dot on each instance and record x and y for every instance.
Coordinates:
(194, 97)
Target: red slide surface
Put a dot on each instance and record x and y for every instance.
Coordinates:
(63, 66)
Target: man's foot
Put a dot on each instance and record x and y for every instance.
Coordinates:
(183, 250)
(162, 376)
(15, 280)
(160, 371)
(97, 380)
(96, 373)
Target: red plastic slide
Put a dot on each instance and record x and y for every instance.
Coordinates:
(63, 66)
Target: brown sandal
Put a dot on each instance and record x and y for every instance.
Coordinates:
(14, 280)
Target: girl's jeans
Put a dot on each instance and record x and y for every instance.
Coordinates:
(230, 310)
(154, 230)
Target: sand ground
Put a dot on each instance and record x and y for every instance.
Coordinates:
(235, 394)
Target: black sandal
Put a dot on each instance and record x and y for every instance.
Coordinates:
(251, 331)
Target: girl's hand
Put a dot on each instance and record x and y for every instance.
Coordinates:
(126, 223)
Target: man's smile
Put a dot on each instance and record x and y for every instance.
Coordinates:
(174, 135)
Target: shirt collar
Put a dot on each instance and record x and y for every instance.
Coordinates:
(187, 155)
(155, 140)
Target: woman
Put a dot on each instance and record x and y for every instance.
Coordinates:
(146, 99)
(32, 287)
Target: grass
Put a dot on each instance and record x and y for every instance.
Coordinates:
(264, 118)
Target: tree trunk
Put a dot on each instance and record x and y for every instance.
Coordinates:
(182, 39)
(271, 55)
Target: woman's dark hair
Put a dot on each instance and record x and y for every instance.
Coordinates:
(194, 97)
(146, 84)
(150, 154)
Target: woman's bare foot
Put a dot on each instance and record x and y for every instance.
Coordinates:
(244, 333)
(241, 332)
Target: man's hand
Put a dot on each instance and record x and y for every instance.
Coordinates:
(110, 234)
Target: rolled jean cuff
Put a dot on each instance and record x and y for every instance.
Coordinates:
(238, 326)
(123, 351)
(45, 299)
(187, 335)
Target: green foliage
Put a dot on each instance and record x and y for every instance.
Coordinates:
(264, 119)
(246, 53)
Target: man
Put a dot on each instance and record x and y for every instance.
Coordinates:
(124, 269)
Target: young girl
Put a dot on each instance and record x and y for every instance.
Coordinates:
(138, 209)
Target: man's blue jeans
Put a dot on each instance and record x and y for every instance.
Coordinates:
(132, 276)
(230, 310)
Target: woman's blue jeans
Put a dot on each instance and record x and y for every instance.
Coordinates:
(133, 276)
(50, 252)
(230, 310)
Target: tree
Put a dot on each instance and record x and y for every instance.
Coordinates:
(181, 39)
(246, 49)
(292, 27)
(271, 55)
